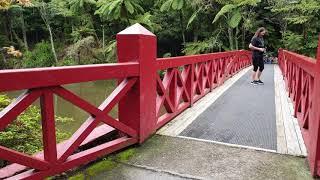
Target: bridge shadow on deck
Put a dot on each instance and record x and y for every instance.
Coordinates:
(244, 115)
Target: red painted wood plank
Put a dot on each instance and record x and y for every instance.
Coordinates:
(119, 125)
(10, 113)
(76, 100)
(77, 138)
(117, 94)
(99, 131)
(101, 113)
(79, 158)
(169, 116)
(48, 127)
(304, 62)
(55, 76)
(21, 158)
(165, 63)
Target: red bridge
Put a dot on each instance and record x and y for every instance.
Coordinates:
(146, 100)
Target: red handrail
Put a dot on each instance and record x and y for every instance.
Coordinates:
(302, 77)
(188, 78)
(145, 100)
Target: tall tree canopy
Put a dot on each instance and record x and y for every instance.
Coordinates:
(83, 31)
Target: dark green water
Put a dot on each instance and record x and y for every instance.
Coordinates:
(93, 92)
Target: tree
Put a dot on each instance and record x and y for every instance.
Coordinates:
(176, 5)
(119, 9)
(301, 19)
(232, 14)
(47, 14)
(18, 6)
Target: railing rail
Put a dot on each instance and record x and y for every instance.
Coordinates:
(146, 100)
(302, 77)
(188, 78)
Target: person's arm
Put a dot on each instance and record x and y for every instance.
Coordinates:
(255, 48)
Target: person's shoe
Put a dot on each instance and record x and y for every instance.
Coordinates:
(254, 82)
(260, 82)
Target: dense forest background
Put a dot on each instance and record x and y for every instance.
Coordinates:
(41, 33)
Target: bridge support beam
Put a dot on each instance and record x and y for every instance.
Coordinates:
(138, 108)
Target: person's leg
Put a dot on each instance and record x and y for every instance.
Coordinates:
(254, 74)
(255, 64)
(261, 68)
(259, 74)
(255, 69)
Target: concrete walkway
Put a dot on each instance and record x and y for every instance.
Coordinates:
(164, 157)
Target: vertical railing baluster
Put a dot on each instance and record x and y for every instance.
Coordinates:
(48, 126)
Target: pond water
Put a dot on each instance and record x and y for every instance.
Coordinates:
(94, 92)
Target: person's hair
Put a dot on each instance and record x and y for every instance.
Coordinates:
(261, 29)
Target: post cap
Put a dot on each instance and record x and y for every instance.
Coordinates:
(136, 29)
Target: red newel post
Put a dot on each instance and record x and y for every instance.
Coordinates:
(314, 151)
(138, 108)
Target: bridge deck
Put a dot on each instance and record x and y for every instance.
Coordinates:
(241, 114)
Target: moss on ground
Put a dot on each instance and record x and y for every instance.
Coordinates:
(79, 176)
(125, 155)
(98, 167)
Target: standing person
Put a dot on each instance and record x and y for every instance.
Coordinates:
(258, 48)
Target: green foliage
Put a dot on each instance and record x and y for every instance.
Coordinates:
(40, 56)
(292, 41)
(111, 52)
(24, 134)
(225, 9)
(79, 5)
(81, 48)
(118, 9)
(146, 20)
(200, 47)
(235, 19)
(101, 166)
(67, 62)
(185, 27)
(173, 4)
(125, 155)
(77, 177)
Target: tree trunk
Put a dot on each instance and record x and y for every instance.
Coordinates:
(236, 38)
(44, 17)
(9, 25)
(20, 42)
(243, 37)
(230, 36)
(182, 29)
(24, 33)
(5, 26)
(103, 37)
(52, 44)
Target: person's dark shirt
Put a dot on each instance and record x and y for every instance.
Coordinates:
(259, 43)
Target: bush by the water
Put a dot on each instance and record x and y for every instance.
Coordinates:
(40, 56)
(25, 134)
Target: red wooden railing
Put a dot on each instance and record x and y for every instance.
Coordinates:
(146, 101)
(189, 78)
(302, 77)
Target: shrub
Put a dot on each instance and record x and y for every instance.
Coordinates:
(24, 134)
(41, 56)
(67, 62)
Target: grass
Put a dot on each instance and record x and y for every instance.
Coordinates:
(101, 166)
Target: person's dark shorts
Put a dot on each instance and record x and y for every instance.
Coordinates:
(257, 62)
